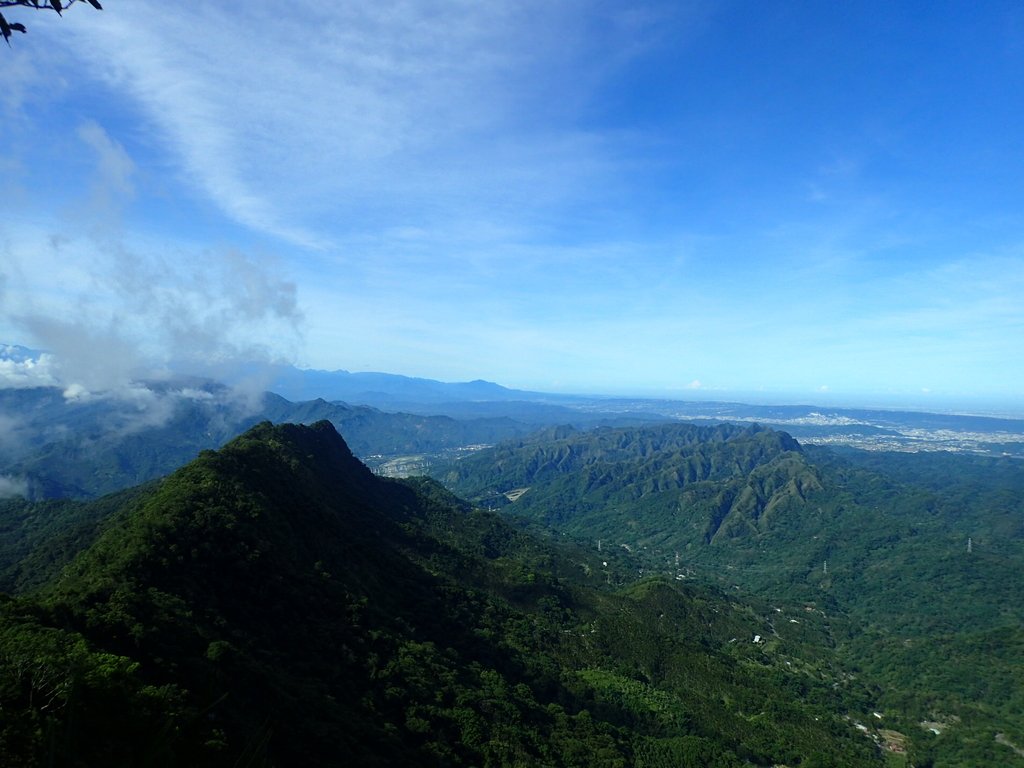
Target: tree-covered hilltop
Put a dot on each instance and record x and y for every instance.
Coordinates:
(914, 558)
(274, 603)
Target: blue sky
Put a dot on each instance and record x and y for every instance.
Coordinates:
(794, 201)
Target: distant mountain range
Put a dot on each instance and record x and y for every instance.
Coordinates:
(56, 446)
(873, 429)
(385, 390)
(82, 448)
(57, 443)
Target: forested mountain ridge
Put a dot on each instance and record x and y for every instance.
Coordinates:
(275, 603)
(915, 557)
(720, 479)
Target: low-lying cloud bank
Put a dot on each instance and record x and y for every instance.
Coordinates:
(22, 368)
(11, 487)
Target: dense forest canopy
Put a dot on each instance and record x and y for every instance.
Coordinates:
(274, 602)
(397, 623)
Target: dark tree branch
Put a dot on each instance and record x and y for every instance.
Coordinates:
(43, 5)
(57, 6)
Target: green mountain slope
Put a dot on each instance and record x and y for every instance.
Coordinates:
(721, 481)
(38, 539)
(878, 543)
(274, 603)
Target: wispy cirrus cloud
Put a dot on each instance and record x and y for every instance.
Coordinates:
(292, 117)
(114, 182)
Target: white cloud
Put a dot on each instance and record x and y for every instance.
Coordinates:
(115, 169)
(75, 393)
(114, 309)
(12, 486)
(23, 374)
(199, 395)
(138, 312)
(11, 433)
(285, 115)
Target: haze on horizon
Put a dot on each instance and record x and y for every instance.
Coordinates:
(815, 202)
